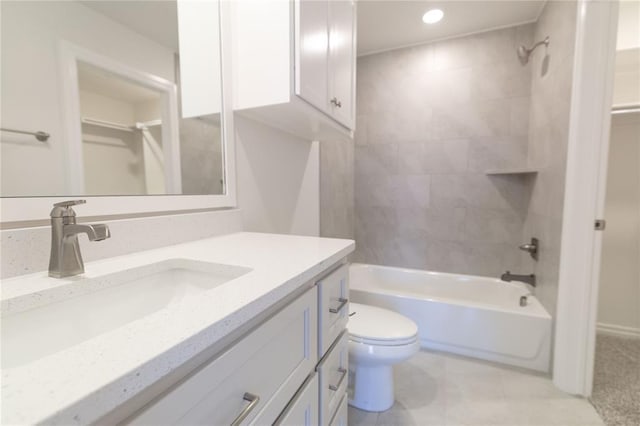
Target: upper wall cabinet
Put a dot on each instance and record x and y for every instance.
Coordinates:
(325, 56)
(294, 65)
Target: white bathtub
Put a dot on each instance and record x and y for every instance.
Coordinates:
(474, 316)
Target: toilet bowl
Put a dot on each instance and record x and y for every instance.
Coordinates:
(378, 339)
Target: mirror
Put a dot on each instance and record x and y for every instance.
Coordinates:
(127, 96)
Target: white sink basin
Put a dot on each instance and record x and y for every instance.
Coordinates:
(119, 299)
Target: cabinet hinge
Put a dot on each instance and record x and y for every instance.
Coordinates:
(600, 224)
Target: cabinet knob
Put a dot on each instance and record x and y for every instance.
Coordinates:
(336, 102)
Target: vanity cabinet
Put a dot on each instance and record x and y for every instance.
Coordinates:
(273, 375)
(333, 313)
(303, 410)
(294, 65)
(333, 372)
(342, 414)
(333, 341)
(253, 380)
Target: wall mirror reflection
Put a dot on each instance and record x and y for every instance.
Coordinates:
(127, 92)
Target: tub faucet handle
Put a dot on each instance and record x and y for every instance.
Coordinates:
(531, 248)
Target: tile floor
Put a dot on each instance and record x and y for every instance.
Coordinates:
(442, 389)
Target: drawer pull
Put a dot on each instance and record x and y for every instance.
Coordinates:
(343, 302)
(343, 372)
(253, 401)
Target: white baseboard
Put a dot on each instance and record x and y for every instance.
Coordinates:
(618, 330)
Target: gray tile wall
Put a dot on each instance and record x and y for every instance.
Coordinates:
(548, 139)
(336, 189)
(431, 120)
(201, 156)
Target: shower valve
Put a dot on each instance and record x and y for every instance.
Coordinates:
(531, 248)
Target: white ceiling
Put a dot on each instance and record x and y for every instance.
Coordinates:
(382, 24)
(390, 24)
(155, 19)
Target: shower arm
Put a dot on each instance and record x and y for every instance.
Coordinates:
(545, 42)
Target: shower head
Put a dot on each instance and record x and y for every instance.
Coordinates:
(524, 53)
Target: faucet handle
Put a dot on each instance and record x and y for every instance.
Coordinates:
(63, 208)
(69, 203)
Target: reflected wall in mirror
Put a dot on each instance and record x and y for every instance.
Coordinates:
(129, 92)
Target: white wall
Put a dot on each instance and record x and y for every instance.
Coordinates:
(619, 300)
(148, 111)
(113, 162)
(100, 107)
(278, 180)
(619, 296)
(278, 174)
(31, 96)
(626, 88)
(628, 24)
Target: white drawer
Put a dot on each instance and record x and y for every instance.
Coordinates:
(333, 378)
(333, 307)
(342, 415)
(303, 409)
(271, 363)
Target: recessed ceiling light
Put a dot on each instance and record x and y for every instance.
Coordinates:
(432, 16)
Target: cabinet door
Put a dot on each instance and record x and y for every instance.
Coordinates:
(311, 51)
(333, 307)
(303, 409)
(252, 380)
(342, 414)
(332, 373)
(342, 61)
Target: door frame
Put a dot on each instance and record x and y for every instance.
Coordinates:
(70, 56)
(584, 200)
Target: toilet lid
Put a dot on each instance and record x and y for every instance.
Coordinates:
(370, 323)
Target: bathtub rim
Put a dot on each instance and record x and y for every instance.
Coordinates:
(536, 310)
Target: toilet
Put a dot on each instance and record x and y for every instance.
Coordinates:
(378, 339)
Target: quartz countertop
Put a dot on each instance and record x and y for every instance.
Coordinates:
(82, 383)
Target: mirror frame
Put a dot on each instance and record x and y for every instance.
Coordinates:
(21, 209)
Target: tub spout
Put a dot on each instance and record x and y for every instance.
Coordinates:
(529, 279)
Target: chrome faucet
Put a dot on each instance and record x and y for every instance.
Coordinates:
(66, 259)
(529, 279)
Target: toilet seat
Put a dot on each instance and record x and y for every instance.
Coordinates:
(375, 342)
(380, 327)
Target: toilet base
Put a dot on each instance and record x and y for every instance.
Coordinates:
(372, 387)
